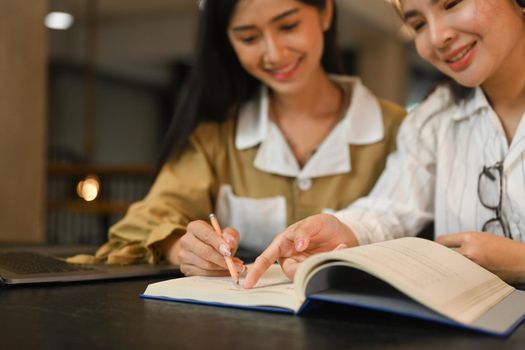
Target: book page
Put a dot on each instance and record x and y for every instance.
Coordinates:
(428, 272)
(274, 289)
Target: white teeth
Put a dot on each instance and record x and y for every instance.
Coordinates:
(285, 70)
(460, 55)
(282, 71)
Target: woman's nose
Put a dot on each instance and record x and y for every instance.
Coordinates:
(441, 34)
(274, 50)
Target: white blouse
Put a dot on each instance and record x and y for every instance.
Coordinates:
(441, 149)
(362, 124)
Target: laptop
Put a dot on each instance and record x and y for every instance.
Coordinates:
(28, 266)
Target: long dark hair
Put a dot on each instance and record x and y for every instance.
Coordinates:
(459, 92)
(218, 85)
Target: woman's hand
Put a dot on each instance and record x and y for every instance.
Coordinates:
(502, 256)
(200, 251)
(315, 234)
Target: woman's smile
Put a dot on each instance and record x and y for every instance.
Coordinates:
(285, 72)
(461, 58)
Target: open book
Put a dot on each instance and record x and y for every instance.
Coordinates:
(408, 276)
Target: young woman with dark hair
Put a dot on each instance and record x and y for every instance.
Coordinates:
(265, 134)
(218, 84)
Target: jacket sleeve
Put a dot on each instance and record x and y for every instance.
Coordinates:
(183, 191)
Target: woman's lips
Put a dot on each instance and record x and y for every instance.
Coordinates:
(461, 58)
(285, 72)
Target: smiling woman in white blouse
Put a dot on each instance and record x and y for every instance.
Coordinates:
(460, 160)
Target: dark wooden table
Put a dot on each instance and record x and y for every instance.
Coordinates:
(110, 315)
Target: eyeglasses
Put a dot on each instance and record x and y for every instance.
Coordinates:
(491, 196)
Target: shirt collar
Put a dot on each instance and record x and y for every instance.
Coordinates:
(472, 106)
(364, 119)
(478, 105)
(253, 122)
(362, 122)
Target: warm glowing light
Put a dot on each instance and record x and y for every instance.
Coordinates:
(89, 188)
(59, 20)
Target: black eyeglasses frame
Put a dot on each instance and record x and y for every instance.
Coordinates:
(486, 171)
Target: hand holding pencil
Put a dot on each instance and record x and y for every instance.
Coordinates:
(227, 255)
(201, 250)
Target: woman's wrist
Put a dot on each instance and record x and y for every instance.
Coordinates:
(167, 248)
(519, 277)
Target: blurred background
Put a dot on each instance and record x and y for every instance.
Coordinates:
(88, 88)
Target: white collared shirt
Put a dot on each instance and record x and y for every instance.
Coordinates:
(441, 149)
(332, 156)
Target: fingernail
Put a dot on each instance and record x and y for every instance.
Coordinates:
(341, 246)
(228, 238)
(240, 268)
(299, 245)
(225, 250)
